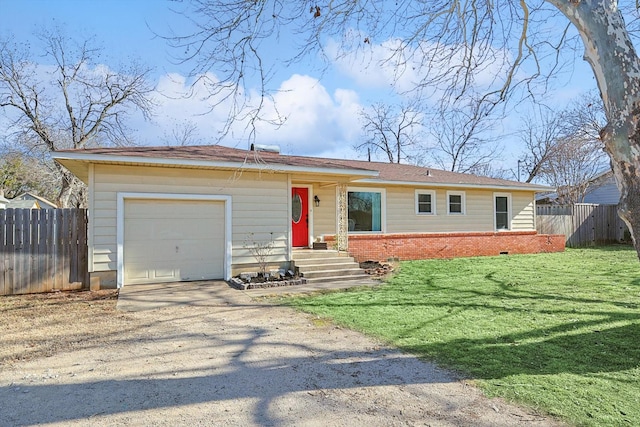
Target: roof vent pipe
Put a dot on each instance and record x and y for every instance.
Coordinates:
(268, 148)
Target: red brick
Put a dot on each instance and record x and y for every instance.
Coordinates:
(381, 247)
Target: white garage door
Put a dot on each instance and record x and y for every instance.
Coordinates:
(173, 240)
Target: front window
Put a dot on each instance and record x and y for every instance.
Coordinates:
(455, 203)
(365, 210)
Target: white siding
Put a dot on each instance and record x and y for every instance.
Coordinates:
(259, 205)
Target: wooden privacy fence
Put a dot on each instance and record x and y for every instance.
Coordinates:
(583, 224)
(42, 250)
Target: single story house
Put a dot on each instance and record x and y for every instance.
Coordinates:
(25, 201)
(600, 190)
(22, 204)
(42, 202)
(195, 212)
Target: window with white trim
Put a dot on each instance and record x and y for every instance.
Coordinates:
(455, 203)
(502, 210)
(365, 209)
(425, 202)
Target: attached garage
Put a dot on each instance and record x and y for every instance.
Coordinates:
(172, 238)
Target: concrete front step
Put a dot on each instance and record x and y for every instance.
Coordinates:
(303, 254)
(344, 272)
(320, 261)
(354, 279)
(326, 265)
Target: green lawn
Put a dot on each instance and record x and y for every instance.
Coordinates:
(557, 332)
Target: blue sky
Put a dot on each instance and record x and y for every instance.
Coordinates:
(322, 108)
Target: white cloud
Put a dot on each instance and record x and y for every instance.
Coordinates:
(317, 123)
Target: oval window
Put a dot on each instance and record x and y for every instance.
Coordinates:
(296, 208)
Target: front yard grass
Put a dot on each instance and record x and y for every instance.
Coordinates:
(557, 332)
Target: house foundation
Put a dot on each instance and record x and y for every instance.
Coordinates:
(383, 247)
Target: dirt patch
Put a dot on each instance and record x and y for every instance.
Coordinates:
(73, 359)
(42, 325)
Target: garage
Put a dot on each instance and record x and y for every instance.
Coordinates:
(173, 240)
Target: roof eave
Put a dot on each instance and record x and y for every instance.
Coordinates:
(87, 159)
(530, 187)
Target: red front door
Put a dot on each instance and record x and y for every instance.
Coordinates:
(300, 216)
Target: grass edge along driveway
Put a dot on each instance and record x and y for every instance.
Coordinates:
(558, 332)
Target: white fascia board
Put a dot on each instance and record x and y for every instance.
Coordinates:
(537, 188)
(269, 167)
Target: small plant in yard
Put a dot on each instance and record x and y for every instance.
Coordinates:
(557, 332)
(261, 251)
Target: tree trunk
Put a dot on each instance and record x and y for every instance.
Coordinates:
(626, 169)
(616, 66)
(64, 196)
(70, 195)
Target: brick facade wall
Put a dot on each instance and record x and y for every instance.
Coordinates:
(381, 247)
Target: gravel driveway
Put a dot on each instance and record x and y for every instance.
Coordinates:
(209, 355)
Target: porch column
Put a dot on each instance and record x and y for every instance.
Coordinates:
(342, 238)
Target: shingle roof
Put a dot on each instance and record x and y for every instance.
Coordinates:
(387, 172)
(213, 153)
(409, 173)
(22, 204)
(40, 199)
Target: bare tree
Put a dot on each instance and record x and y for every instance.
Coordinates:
(446, 48)
(585, 118)
(572, 167)
(564, 149)
(393, 130)
(183, 133)
(540, 136)
(490, 170)
(73, 104)
(462, 138)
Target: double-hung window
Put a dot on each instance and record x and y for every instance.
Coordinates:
(455, 202)
(425, 202)
(502, 209)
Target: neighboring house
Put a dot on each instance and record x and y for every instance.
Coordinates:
(161, 214)
(547, 198)
(26, 201)
(602, 190)
(42, 202)
(22, 204)
(3, 201)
